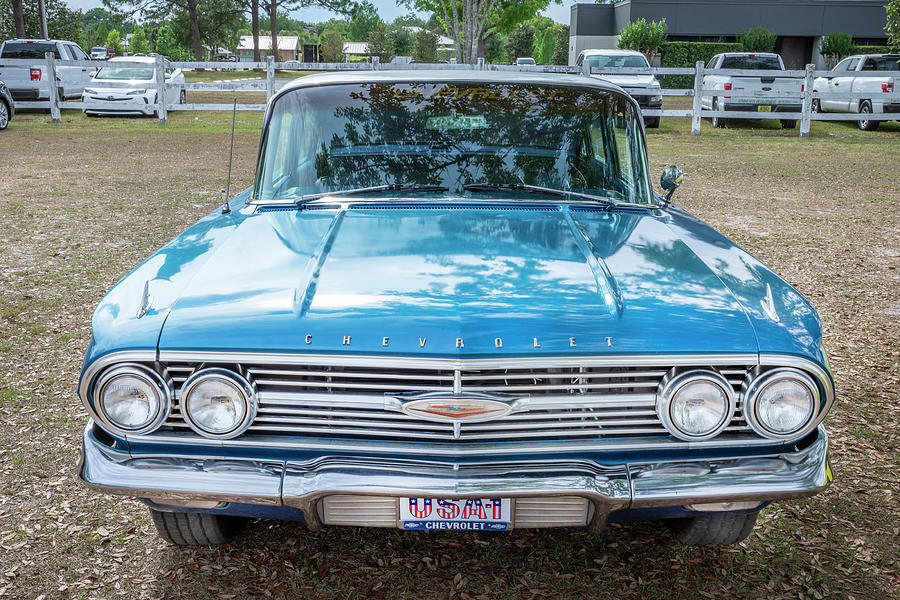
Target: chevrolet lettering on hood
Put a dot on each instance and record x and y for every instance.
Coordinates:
(453, 301)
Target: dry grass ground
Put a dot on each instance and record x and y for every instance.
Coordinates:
(84, 201)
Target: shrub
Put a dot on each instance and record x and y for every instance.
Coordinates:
(520, 42)
(425, 47)
(644, 37)
(381, 44)
(332, 46)
(561, 51)
(835, 46)
(403, 41)
(758, 39)
(686, 54)
(892, 24)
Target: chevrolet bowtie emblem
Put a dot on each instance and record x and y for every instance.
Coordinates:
(448, 408)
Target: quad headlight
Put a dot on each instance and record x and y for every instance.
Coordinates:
(132, 399)
(780, 404)
(218, 403)
(695, 405)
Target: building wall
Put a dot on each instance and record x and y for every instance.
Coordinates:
(587, 42)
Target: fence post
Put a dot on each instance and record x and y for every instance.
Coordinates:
(806, 108)
(586, 68)
(161, 102)
(376, 63)
(698, 87)
(481, 63)
(54, 89)
(270, 77)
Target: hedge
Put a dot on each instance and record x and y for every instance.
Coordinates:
(871, 50)
(685, 54)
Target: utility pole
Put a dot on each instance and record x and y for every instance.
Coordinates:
(43, 11)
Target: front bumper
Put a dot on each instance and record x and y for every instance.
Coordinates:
(109, 104)
(323, 488)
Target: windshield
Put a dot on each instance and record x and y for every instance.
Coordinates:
(125, 73)
(342, 137)
(626, 62)
(29, 49)
(752, 61)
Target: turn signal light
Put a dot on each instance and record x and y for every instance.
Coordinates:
(35, 74)
(887, 87)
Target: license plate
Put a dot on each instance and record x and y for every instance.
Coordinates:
(473, 514)
(763, 109)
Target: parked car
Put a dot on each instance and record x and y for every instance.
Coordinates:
(7, 106)
(746, 92)
(453, 301)
(843, 78)
(29, 83)
(122, 88)
(100, 53)
(527, 61)
(644, 87)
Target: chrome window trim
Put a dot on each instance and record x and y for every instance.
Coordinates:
(752, 389)
(245, 387)
(413, 362)
(668, 388)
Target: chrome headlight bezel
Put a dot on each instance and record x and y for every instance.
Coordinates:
(753, 388)
(163, 386)
(245, 388)
(671, 385)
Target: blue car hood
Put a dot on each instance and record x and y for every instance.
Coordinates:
(456, 280)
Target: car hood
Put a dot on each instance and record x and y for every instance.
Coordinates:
(451, 280)
(627, 81)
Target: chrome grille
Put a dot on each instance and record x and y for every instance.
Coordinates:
(565, 400)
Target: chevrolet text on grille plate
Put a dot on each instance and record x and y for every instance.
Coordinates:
(472, 514)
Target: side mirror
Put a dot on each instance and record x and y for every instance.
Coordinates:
(671, 178)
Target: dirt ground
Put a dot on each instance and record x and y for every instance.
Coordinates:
(84, 201)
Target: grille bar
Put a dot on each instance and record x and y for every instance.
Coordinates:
(558, 399)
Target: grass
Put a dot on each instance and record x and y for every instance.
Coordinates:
(86, 200)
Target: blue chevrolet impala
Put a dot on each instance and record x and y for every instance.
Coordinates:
(453, 301)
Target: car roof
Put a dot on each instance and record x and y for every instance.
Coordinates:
(750, 54)
(610, 52)
(135, 59)
(451, 76)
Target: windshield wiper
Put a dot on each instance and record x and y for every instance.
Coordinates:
(391, 187)
(536, 189)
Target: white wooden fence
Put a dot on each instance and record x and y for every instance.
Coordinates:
(270, 84)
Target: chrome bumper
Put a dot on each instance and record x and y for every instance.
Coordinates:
(320, 487)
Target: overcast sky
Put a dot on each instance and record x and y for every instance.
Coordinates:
(386, 8)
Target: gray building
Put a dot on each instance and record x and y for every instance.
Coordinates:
(799, 24)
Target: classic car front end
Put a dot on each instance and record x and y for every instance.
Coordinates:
(450, 302)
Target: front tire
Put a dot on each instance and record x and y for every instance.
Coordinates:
(651, 123)
(865, 108)
(788, 123)
(715, 529)
(194, 529)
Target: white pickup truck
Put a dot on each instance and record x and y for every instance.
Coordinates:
(747, 93)
(844, 78)
(29, 82)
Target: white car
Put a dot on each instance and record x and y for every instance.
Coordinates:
(843, 79)
(525, 61)
(130, 89)
(645, 88)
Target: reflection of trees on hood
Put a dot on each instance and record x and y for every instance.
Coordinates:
(529, 134)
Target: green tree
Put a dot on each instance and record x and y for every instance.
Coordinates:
(138, 42)
(469, 23)
(100, 35)
(495, 49)
(561, 51)
(644, 37)
(381, 44)
(425, 47)
(544, 46)
(62, 23)
(757, 39)
(332, 46)
(403, 39)
(835, 46)
(114, 41)
(892, 26)
(363, 20)
(520, 42)
(165, 42)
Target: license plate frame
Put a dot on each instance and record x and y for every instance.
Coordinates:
(455, 514)
(766, 108)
